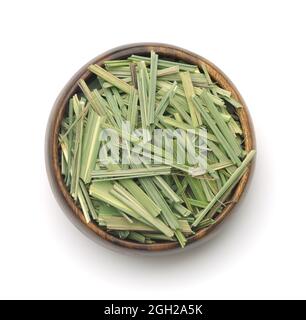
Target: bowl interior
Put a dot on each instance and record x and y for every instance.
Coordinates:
(60, 107)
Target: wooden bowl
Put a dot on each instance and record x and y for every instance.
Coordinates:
(56, 116)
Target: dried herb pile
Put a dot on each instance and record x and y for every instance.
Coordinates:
(142, 202)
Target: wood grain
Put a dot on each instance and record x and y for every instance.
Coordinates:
(52, 152)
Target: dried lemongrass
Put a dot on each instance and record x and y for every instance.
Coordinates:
(157, 197)
(152, 203)
(91, 146)
(78, 106)
(221, 123)
(216, 131)
(107, 76)
(152, 86)
(189, 93)
(133, 173)
(226, 186)
(165, 63)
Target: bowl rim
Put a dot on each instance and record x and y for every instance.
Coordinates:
(51, 145)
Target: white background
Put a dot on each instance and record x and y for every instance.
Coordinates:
(259, 252)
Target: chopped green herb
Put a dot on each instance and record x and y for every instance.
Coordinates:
(169, 199)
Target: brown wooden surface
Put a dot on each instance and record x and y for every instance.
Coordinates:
(52, 152)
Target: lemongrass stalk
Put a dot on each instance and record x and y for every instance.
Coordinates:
(126, 217)
(183, 211)
(69, 140)
(186, 117)
(205, 185)
(91, 146)
(104, 107)
(133, 71)
(166, 85)
(220, 155)
(90, 206)
(174, 123)
(225, 187)
(103, 209)
(130, 173)
(133, 110)
(221, 123)
(130, 201)
(198, 203)
(196, 188)
(108, 85)
(156, 236)
(91, 98)
(78, 107)
(113, 107)
(164, 102)
(166, 190)
(197, 79)
(107, 76)
(181, 238)
(181, 192)
(165, 63)
(233, 102)
(142, 91)
(83, 205)
(123, 234)
(77, 119)
(138, 237)
(116, 63)
(216, 131)
(189, 92)
(168, 71)
(220, 165)
(142, 66)
(142, 197)
(101, 190)
(120, 102)
(172, 164)
(119, 223)
(222, 92)
(235, 127)
(207, 75)
(152, 86)
(206, 223)
(215, 98)
(120, 73)
(153, 192)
